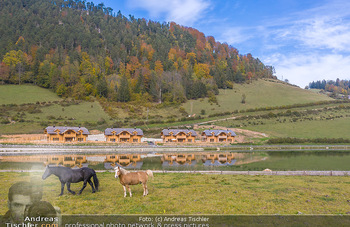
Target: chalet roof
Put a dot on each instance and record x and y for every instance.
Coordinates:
(109, 131)
(217, 132)
(63, 129)
(166, 132)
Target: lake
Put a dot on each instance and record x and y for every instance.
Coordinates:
(212, 160)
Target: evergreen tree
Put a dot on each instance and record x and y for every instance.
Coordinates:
(123, 93)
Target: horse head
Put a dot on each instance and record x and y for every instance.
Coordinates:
(47, 172)
(117, 172)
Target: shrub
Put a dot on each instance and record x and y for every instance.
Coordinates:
(101, 121)
(5, 121)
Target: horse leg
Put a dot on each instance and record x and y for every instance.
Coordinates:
(68, 188)
(62, 188)
(84, 185)
(92, 186)
(145, 191)
(127, 186)
(124, 191)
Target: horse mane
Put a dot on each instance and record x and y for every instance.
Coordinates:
(124, 171)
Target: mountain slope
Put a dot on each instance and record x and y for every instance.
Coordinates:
(79, 50)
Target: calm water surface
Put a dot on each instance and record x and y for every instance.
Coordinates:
(254, 161)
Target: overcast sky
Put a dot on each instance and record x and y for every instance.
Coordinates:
(305, 40)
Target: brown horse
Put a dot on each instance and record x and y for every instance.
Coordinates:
(131, 178)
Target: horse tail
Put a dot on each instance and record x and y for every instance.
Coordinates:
(150, 173)
(96, 182)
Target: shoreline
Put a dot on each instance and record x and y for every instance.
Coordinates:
(335, 173)
(75, 149)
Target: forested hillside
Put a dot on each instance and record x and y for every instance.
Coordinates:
(79, 49)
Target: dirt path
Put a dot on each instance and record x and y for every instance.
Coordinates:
(242, 134)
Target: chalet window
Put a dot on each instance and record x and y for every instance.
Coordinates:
(135, 140)
(68, 132)
(190, 140)
(211, 140)
(124, 133)
(54, 159)
(55, 139)
(80, 140)
(230, 140)
(112, 140)
(124, 140)
(113, 156)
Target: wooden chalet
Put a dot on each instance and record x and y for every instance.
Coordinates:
(123, 135)
(218, 136)
(64, 134)
(178, 135)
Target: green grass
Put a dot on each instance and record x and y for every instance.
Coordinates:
(260, 93)
(199, 194)
(328, 122)
(49, 110)
(19, 94)
(73, 115)
(84, 111)
(307, 129)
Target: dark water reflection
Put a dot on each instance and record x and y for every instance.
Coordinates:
(329, 160)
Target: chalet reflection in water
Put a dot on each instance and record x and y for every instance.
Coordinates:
(72, 161)
(218, 159)
(178, 160)
(128, 161)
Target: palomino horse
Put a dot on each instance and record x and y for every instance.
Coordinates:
(127, 178)
(67, 176)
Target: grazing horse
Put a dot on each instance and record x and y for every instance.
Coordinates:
(67, 176)
(127, 178)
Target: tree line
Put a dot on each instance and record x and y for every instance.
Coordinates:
(337, 87)
(79, 50)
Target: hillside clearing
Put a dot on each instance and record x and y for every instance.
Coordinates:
(20, 94)
(260, 93)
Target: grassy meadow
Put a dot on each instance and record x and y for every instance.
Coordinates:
(29, 109)
(313, 122)
(198, 194)
(258, 94)
(20, 94)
